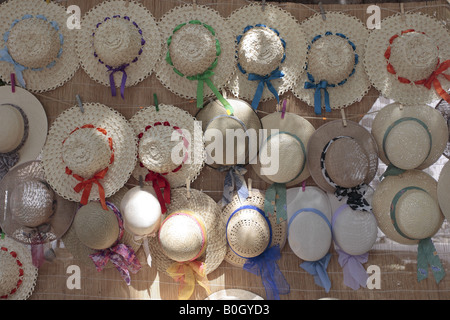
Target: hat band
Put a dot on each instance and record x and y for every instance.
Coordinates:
(431, 80)
(5, 55)
(355, 195)
(426, 252)
(323, 84)
(262, 213)
(20, 271)
(10, 159)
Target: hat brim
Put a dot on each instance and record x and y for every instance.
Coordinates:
(375, 62)
(136, 71)
(330, 130)
(233, 294)
(296, 48)
(443, 188)
(37, 120)
(444, 108)
(66, 65)
(358, 84)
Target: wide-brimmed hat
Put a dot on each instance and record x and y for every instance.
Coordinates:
(407, 211)
(255, 238)
(198, 51)
(335, 66)
(444, 108)
(407, 58)
(37, 45)
(443, 188)
(23, 127)
(191, 240)
(343, 159)
(18, 276)
(166, 132)
(411, 137)
(32, 213)
(271, 52)
(90, 153)
(233, 294)
(119, 44)
(97, 237)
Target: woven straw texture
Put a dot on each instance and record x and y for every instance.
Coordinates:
(442, 190)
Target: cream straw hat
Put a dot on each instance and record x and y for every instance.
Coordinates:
(443, 188)
(119, 44)
(444, 108)
(37, 45)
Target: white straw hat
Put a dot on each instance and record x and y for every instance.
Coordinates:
(18, 276)
(410, 137)
(233, 294)
(94, 148)
(38, 47)
(443, 188)
(271, 46)
(23, 127)
(444, 108)
(335, 63)
(403, 57)
(119, 41)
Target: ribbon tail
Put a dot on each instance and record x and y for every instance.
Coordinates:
(427, 255)
(121, 267)
(147, 251)
(18, 68)
(326, 97)
(440, 91)
(200, 84)
(184, 275)
(225, 103)
(273, 90)
(355, 275)
(112, 84)
(258, 95)
(391, 171)
(318, 101)
(37, 254)
(275, 200)
(122, 85)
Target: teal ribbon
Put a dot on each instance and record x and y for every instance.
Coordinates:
(264, 81)
(426, 251)
(275, 200)
(321, 86)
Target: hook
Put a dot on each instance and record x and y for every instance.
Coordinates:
(249, 187)
(80, 104)
(344, 119)
(322, 12)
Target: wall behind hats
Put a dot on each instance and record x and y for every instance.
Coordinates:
(396, 263)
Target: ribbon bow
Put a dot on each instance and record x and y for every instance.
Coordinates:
(264, 80)
(234, 180)
(86, 186)
(432, 79)
(187, 274)
(275, 201)
(427, 255)
(266, 267)
(318, 269)
(7, 161)
(354, 273)
(123, 258)
(322, 85)
(355, 197)
(112, 82)
(18, 68)
(159, 182)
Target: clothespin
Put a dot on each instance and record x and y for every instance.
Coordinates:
(13, 82)
(249, 187)
(188, 188)
(322, 11)
(141, 181)
(80, 104)
(344, 119)
(263, 5)
(194, 4)
(402, 11)
(303, 185)
(400, 106)
(155, 100)
(283, 109)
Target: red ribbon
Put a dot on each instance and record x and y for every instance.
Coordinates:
(86, 186)
(437, 85)
(159, 182)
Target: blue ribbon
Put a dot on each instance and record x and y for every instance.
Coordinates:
(322, 85)
(18, 68)
(264, 80)
(318, 269)
(266, 267)
(234, 180)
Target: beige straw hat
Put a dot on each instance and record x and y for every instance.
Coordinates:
(32, 212)
(119, 38)
(198, 50)
(233, 294)
(404, 55)
(270, 41)
(90, 148)
(38, 47)
(410, 137)
(443, 188)
(335, 63)
(18, 276)
(23, 127)
(444, 108)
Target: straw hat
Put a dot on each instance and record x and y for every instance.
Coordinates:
(32, 212)
(17, 274)
(95, 147)
(293, 136)
(198, 44)
(443, 187)
(334, 62)
(342, 156)
(23, 127)
(214, 119)
(444, 108)
(410, 137)
(402, 56)
(233, 294)
(119, 38)
(37, 27)
(285, 47)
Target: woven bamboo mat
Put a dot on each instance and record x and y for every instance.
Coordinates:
(396, 263)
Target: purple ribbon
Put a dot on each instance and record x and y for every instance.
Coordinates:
(124, 79)
(355, 275)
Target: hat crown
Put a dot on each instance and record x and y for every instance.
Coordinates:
(95, 227)
(32, 202)
(260, 51)
(117, 41)
(33, 43)
(12, 128)
(9, 273)
(192, 49)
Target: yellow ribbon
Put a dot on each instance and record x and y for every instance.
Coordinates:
(187, 274)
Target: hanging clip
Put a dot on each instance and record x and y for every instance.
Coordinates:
(188, 188)
(283, 109)
(80, 104)
(155, 101)
(344, 119)
(194, 4)
(263, 5)
(322, 11)
(13, 82)
(400, 106)
(141, 181)
(127, 3)
(249, 187)
(402, 11)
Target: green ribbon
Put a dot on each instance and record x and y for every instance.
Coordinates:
(426, 251)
